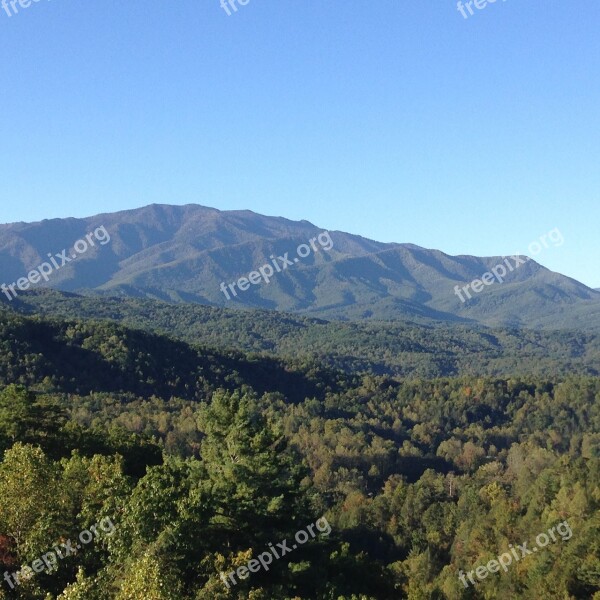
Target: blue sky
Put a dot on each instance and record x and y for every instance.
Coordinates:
(400, 121)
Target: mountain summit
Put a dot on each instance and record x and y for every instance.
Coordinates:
(190, 253)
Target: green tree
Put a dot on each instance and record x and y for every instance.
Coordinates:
(33, 500)
(255, 480)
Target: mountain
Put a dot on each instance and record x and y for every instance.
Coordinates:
(191, 253)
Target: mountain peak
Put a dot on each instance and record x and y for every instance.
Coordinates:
(186, 252)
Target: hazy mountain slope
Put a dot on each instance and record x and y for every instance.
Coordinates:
(184, 253)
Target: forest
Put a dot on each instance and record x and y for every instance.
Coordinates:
(204, 457)
(404, 348)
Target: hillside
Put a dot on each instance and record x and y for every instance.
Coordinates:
(393, 348)
(398, 476)
(53, 354)
(185, 253)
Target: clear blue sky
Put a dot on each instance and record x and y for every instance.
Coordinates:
(401, 121)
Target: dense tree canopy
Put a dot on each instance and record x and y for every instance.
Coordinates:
(201, 469)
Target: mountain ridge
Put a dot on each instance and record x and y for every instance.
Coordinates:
(184, 254)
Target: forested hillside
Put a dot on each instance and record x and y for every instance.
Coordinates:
(404, 349)
(121, 360)
(203, 460)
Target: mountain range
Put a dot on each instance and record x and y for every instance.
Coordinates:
(186, 254)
